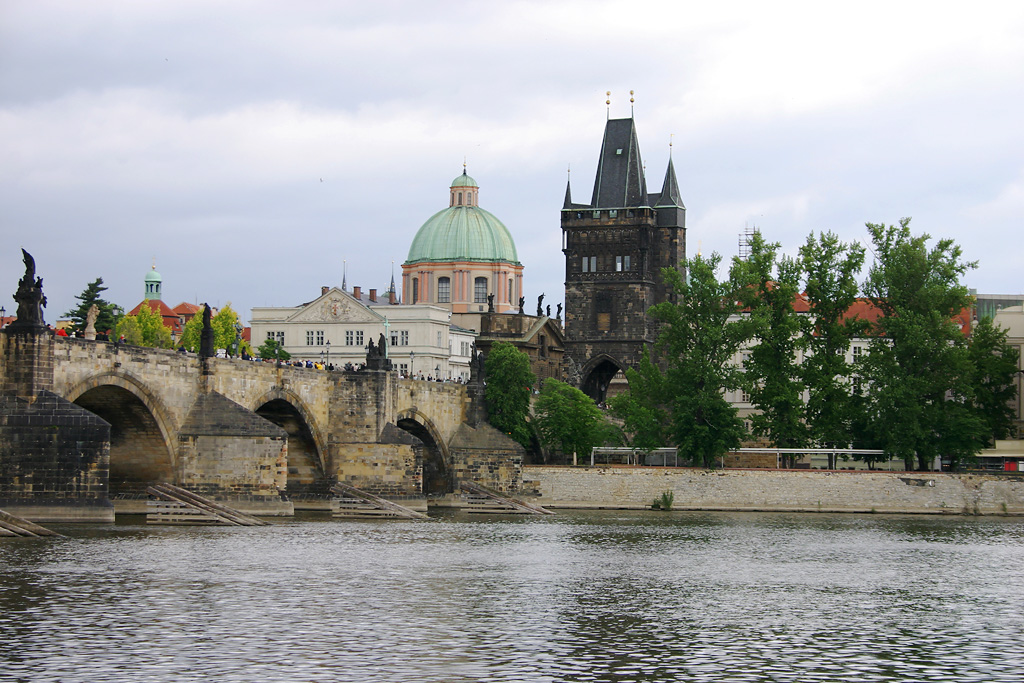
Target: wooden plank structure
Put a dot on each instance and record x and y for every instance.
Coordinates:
(16, 526)
(178, 506)
(355, 503)
(483, 500)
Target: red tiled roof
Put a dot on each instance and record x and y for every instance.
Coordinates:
(171, 319)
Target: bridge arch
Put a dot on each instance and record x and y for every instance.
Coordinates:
(141, 429)
(438, 470)
(597, 375)
(307, 466)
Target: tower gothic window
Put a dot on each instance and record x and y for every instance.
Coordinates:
(444, 290)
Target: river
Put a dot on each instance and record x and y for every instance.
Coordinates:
(582, 596)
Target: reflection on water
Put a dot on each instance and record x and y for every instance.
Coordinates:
(583, 596)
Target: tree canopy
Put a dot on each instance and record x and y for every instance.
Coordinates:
(271, 348)
(919, 368)
(108, 315)
(569, 420)
(509, 381)
(145, 328)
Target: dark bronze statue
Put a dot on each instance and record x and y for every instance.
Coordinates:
(522, 305)
(540, 310)
(206, 338)
(29, 297)
(558, 315)
(490, 303)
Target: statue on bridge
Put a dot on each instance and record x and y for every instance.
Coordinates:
(206, 338)
(29, 297)
(522, 305)
(90, 321)
(476, 366)
(558, 315)
(377, 355)
(540, 310)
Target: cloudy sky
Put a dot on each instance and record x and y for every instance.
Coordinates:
(251, 148)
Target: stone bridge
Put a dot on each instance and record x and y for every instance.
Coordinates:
(266, 437)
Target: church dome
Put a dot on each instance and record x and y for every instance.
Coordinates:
(463, 231)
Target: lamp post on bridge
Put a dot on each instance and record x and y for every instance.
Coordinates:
(412, 365)
(328, 353)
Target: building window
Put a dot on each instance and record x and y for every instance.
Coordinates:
(613, 213)
(596, 214)
(593, 264)
(350, 338)
(394, 338)
(744, 396)
(444, 290)
(277, 335)
(415, 290)
(856, 353)
(460, 199)
(480, 290)
(464, 349)
(511, 292)
(403, 337)
(543, 346)
(621, 264)
(309, 338)
(584, 262)
(439, 339)
(319, 337)
(403, 369)
(359, 337)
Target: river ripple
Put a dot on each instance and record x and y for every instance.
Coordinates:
(583, 596)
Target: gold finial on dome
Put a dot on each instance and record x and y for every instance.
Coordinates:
(631, 103)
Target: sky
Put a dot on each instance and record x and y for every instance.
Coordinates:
(257, 151)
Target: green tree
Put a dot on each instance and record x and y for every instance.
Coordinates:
(642, 408)
(108, 315)
(145, 328)
(569, 420)
(698, 340)
(509, 382)
(767, 285)
(919, 368)
(225, 328)
(271, 348)
(831, 268)
(995, 364)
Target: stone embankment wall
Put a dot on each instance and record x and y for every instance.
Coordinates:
(778, 490)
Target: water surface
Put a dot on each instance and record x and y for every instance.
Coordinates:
(583, 596)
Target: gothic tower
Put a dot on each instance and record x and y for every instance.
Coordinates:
(615, 248)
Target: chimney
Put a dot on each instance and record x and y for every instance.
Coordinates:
(324, 289)
(373, 296)
(357, 292)
(391, 297)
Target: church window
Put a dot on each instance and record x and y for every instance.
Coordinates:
(415, 290)
(511, 291)
(444, 290)
(480, 290)
(460, 199)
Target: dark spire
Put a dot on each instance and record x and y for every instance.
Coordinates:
(568, 196)
(670, 188)
(620, 178)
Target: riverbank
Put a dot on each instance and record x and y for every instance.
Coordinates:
(625, 487)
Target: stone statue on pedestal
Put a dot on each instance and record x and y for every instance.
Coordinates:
(29, 297)
(90, 321)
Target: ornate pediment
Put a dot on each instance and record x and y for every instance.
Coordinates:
(335, 307)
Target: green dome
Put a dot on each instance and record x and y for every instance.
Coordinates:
(464, 181)
(463, 233)
(153, 276)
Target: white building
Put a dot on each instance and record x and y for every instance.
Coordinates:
(337, 327)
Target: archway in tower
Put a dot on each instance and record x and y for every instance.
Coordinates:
(139, 454)
(603, 381)
(438, 478)
(305, 470)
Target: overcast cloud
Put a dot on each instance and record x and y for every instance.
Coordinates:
(253, 147)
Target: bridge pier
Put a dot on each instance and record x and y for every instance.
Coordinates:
(54, 455)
